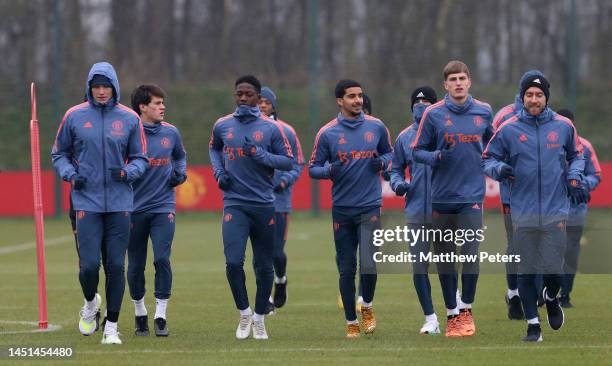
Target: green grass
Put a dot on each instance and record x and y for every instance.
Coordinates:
(310, 329)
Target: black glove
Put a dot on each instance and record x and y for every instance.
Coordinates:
(118, 174)
(376, 163)
(176, 179)
(78, 182)
(446, 153)
(334, 169)
(281, 186)
(224, 182)
(506, 172)
(576, 191)
(249, 147)
(402, 188)
(386, 176)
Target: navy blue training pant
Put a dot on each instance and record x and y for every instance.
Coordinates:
(456, 216)
(160, 227)
(281, 222)
(572, 252)
(240, 223)
(511, 266)
(352, 230)
(542, 251)
(420, 277)
(72, 216)
(114, 227)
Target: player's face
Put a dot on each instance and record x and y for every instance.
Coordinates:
(154, 111)
(102, 94)
(265, 106)
(352, 102)
(458, 86)
(246, 93)
(534, 101)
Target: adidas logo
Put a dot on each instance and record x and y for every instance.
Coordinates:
(537, 81)
(421, 95)
(448, 123)
(87, 125)
(523, 138)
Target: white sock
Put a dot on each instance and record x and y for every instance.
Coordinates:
(360, 300)
(512, 293)
(258, 317)
(160, 308)
(454, 311)
(352, 322)
(464, 306)
(431, 318)
(366, 304)
(246, 311)
(139, 307)
(110, 328)
(271, 300)
(533, 321)
(280, 279)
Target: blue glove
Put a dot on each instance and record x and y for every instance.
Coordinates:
(224, 181)
(118, 174)
(78, 182)
(506, 172)
(402, 188)
(249, 148)
(576, 191)
(176, 179)
(376, 163)
(280, 186)
(334, 169)
(445, 155)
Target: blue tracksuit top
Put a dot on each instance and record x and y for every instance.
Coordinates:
(166, 156)
(468, 128)
(592, 177)
(501, 117)
(354, 143)
(252, 177)
(91, 139)
(544, 152)
(418, 197)
(282, 200)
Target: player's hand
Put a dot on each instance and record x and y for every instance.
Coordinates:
(224, 181)
(402, 188)
(376, 163)
(176, 179)
(445, 155)
(506, 172)
(334, 169)
(118, 174)
(249, 148)
(78, 182)
(386, 175)
(280, 186)
(576, 191)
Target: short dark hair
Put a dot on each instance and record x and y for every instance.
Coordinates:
(249, 79)
(566, 113)
(344, 84)
(143, 93)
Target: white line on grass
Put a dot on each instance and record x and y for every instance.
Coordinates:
(32, 244)
(50, 327)
(538, 347)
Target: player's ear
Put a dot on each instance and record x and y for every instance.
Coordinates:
(339, 102)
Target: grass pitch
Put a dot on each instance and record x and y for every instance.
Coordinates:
(310, 328)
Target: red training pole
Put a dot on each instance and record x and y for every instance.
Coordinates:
(38, 214)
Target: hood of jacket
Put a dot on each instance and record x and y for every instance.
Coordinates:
(105, 69)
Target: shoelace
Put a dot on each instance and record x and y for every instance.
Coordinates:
(366, 314)
(244, 322)
(260, 328)
(454, 323)
(87, 314)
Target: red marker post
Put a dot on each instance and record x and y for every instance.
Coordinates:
(38, 214)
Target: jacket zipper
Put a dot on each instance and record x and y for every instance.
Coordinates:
(537, 124)
(104, 161)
